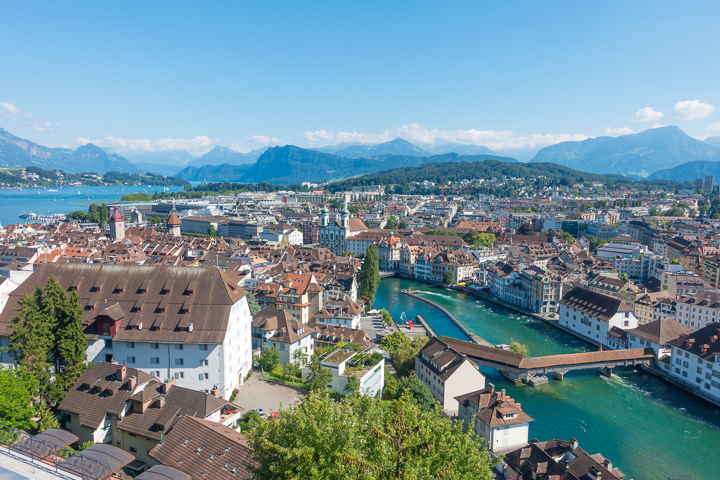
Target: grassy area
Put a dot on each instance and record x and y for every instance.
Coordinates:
(292, 383)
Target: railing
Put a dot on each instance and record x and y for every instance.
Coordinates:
(22, 443)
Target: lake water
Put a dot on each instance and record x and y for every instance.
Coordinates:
(646, 427)
(51, 200)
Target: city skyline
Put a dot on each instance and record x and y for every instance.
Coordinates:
(167, 77)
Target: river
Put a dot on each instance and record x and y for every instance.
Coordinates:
(51, 200)
(648, 428)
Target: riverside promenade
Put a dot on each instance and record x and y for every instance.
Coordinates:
(470, 335)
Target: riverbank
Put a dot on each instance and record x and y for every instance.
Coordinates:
(629, 417)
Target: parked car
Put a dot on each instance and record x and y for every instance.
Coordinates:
(261, 412)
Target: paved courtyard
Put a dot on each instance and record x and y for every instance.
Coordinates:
(268, 395)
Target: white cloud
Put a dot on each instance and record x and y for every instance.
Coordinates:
(9, 110)
(416, 133)
(692, 110)
(263, 140)
(658, 125)
(201, 144)
(239, 147)
(712, 130)
(616, 132)
(647, 114)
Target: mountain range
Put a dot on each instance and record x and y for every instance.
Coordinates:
(291, 164)
(18, 152)
(636, 155)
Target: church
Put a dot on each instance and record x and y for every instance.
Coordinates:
(333, 234)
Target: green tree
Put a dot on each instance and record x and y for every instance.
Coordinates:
(520, 348)
(404, 356)
(365, 438)
(269, 359)
(70, 347)
(387, 318)
(526, 229)
(391, 223)
(566, 236)
(252, 303)
(417, 390)
(391, 385)
(402, 225)
(212, 231)
(353, 385)
(31, 340)
(370, 273)
(46, 418)
(300, 357)
(104, 215)
(17, 390)
(449, 277)
(393, 341)
(319, 377)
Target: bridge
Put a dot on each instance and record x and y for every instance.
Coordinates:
(515, 366)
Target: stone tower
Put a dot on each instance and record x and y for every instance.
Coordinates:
(117, 226)
(173, 224)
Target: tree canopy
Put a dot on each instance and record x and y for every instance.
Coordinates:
(370, 273)
(365, 438)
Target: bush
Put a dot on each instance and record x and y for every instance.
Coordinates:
(387, 318)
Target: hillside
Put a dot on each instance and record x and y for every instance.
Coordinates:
(462, 149)
(688, 171)
(488, 169)
(639, 154)
(95, 159)
(290, 164)
(713, 141)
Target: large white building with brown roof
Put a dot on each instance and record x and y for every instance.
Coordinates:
(187, 323)
(591, 314)
(279, 329)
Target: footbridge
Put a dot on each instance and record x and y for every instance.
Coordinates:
(515, 366)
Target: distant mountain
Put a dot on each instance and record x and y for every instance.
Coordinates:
(713, 141)
(291, 164)
(335, 148)
(220, 155)
(95, 159)
(18, 152)
(639, 154)
(688, 171)
(461, 149)
(393, 147)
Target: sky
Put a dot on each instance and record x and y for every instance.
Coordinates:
(513, 76)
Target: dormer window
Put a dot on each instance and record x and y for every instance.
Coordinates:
(199, 449)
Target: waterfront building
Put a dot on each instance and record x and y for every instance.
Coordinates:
(173, 225)
(695, 361)
(128, 408)
(557, 460)
(545, 289)
(447, 373)
(389, 253)
(279, 329)
(591, 315)
(187, 323)
(656, 335)
(653, 305)
(699, 310)
(495, 417)
(711, 271)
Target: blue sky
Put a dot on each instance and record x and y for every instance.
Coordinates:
(153, 76)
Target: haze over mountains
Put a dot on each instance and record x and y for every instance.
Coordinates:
(661, 153)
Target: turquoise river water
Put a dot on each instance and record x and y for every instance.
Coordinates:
(646, 427)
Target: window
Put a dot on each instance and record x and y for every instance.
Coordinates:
(203, 347)
(179, 361)
(155, 346)
(108, 357)
(130, 344)
(130, 359)
(699, 369)
(108, 343)
(186, 441)
(133, 450)
(178, 346)
(212, 457)
(182, 375)
(207, 376)
(155, 360)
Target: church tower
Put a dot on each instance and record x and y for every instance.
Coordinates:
(117, 226)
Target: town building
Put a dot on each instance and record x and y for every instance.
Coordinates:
(698, 310)
(695, 361)
(111, 403)
(343, 313)
(447, 373)
(279, 329)
(683, 283)
(364, 365)
(187, 323)
(282, 233)
(495, 417)
(591, 315)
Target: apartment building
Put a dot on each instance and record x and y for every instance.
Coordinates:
(695, 361)
(279, 329)
(591, 315)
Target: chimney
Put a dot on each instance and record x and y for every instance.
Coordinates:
(166, 386)
(574, 443)
(492, 388)
(132, 382)
(594, 473)
(502, 394)
(215, 391)
(608, 464)
(705, 347)
(120, 373)
(160, 402)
